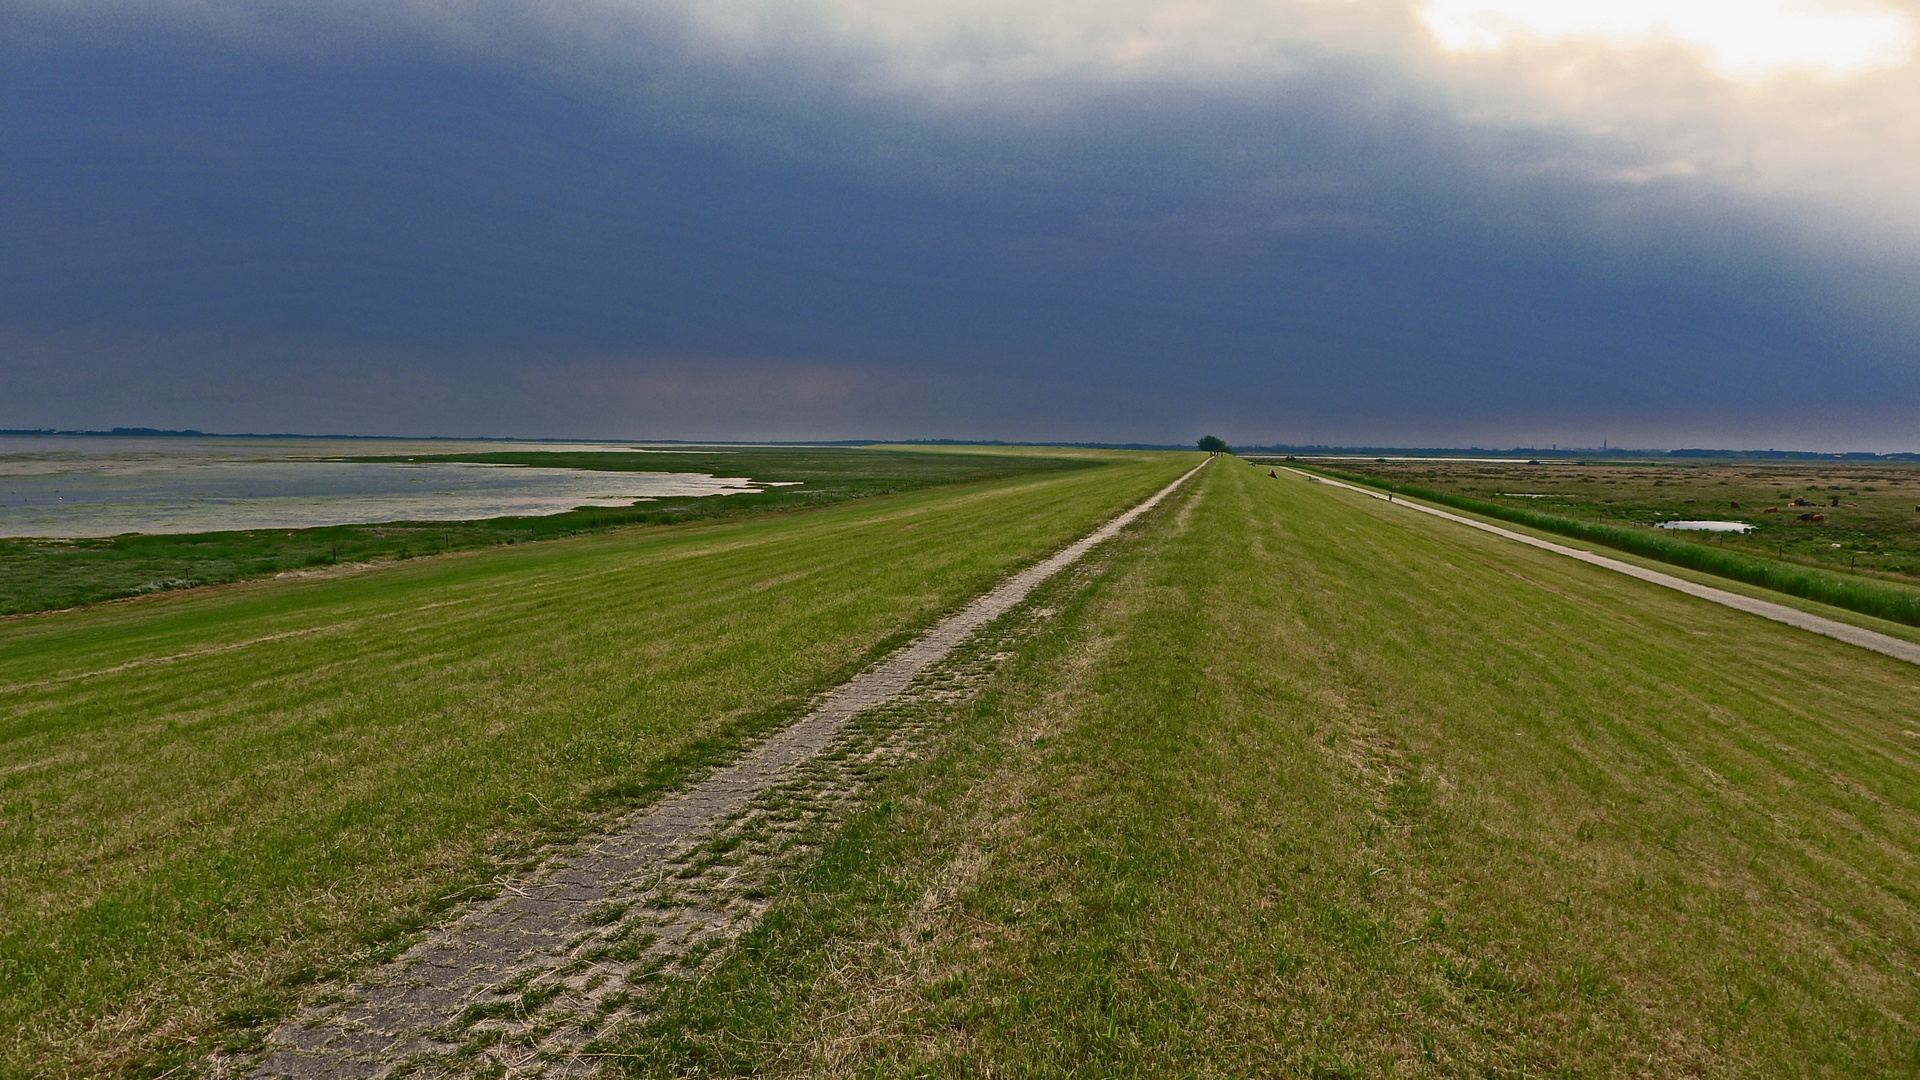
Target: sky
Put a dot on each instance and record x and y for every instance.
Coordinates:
(1354, 222)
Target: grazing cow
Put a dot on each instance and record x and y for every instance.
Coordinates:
(1800, 502)
(1736, 504)
(1775, 510)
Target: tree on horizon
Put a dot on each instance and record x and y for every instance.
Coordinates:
(1214, 445)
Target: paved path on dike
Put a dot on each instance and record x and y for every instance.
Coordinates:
(522, 984)
(1833, 628)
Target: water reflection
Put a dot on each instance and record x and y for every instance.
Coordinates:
(1706, 526)
(53, 486)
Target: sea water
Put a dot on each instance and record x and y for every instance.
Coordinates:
(85, 486)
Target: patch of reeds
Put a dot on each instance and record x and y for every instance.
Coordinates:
(1867, 596)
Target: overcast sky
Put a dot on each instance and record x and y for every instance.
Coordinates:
(1493, 222)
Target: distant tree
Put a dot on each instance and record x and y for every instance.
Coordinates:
(1214, 444)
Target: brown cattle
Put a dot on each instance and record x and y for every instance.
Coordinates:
(1736, 504)
(1775, 510)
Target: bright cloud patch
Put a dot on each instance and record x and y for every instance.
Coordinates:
(1749, 40)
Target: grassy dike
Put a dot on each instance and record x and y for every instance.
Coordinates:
(1305, 785)
(1869, 596)
(210, 799)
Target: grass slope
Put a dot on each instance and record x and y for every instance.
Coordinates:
(1310, 786)
(1897, 602)
(1870, 511)
(209, 798)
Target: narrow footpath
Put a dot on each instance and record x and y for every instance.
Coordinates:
(1766, 609)
(521, 985)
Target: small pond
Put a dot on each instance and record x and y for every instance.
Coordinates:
(1706, 526)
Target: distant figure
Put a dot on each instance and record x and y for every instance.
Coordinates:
(1276, 476)
(1836, 500)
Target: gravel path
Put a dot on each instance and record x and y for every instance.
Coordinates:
(1766, 609)
(523, 984)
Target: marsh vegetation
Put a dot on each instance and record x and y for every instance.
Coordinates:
(1869, 513)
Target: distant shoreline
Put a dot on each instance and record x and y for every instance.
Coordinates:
(1315, 450)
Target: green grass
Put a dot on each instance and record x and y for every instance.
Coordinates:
(40, 575)
(1870, 511)
(1898, 602)
(1306, 785)
(209, 799)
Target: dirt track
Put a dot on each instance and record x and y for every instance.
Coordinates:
(524, 982)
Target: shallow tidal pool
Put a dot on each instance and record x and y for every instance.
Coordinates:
(80, 486)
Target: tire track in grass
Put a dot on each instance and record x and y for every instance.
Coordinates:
(522, 983)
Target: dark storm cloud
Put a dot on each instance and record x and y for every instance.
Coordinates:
(400, 233)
